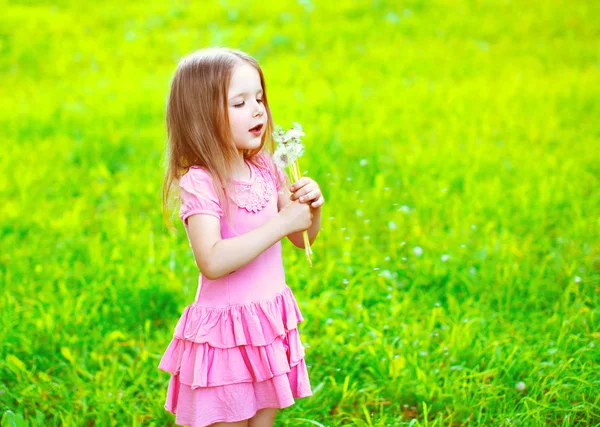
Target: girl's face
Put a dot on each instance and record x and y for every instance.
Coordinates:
(245, 106)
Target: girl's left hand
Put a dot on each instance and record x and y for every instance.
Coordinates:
(308, 191)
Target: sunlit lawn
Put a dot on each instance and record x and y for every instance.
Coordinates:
(456, 275)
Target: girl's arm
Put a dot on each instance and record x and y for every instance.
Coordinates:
(313, 230)
(283, 198)
(216, 257)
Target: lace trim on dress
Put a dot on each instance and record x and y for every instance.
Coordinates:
(254, 195)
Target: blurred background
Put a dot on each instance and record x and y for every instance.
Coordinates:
(456, 275)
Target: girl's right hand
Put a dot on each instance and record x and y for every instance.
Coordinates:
(297, 216)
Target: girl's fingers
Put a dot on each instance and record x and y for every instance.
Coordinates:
(318, 202)
(309, 196)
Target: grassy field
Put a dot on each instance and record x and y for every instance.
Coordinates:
(456, 277)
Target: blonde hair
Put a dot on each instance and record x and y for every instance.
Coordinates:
(197, 123)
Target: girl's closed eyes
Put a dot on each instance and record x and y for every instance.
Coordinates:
(239, 105)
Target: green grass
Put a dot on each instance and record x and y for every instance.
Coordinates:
(463, 128)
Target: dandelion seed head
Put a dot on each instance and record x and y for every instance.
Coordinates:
(387, 274)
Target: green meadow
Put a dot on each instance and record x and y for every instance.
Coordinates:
(456, 275)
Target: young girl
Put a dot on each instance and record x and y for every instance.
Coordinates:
(236, 354)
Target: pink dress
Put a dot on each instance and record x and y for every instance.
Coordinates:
(236, 349)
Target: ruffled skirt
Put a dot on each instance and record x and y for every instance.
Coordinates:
(228, 363)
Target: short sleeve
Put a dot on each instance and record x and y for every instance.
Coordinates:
(197, 195)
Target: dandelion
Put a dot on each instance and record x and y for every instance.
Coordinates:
(387, 274)
(418, 251)
(289, 149)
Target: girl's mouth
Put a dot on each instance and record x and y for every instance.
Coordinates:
(256, 130)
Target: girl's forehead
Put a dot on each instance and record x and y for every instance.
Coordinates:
(245, 79)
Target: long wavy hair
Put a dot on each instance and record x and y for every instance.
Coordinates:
(198, 129)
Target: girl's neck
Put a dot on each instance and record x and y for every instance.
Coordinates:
(241, 170)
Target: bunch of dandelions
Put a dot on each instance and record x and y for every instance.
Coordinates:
(289, 149)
